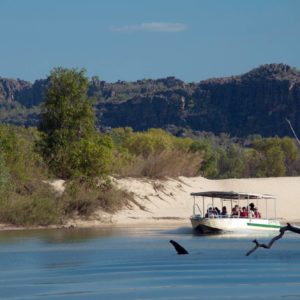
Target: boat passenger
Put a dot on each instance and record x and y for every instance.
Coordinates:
(252, 206)
(210, 213)
(235, 211)
(257, 213)
(251, 210)
(224, 212)
(250, 213)
(244, 213)
(217, 211)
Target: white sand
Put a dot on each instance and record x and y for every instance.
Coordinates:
(170, 201)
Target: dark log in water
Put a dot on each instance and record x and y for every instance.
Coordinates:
(282, 230)
(178, 248)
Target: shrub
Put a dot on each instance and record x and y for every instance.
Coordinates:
(35, 204)
(154, 153)
(4, 175)
(18, 152)
(172, 163)
(83, 197)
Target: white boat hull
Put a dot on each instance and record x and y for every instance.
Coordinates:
(207, 225)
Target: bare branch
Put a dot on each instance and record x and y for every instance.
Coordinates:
(282, 230)
(294, 133)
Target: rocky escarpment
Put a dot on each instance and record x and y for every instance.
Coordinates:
(139, 112)
(257, 102)
(9, 88)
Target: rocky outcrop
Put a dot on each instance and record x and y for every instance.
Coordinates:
(257, 102)
(10, 87)
(139, 112)
(33, 95)
(23, 92)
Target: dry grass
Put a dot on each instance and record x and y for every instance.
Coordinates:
(84, 198)
(171, 163)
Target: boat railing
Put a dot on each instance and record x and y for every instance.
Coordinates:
(197, 210)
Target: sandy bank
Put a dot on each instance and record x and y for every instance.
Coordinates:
(169, 201)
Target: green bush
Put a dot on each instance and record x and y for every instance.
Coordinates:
(147, 143)
(18, 151)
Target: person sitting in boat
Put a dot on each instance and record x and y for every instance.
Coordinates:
(257, 213)
(251, 210)
(244, 213)
(211, 213)
(217, 211)
(224, 212)
(235, 211)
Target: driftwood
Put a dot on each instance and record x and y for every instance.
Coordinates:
(282, 230)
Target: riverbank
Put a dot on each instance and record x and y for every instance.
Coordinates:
(169, 201)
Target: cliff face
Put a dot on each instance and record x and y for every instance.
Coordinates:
(142, 113)
(257, 102)
(9, 88)
(22, 92)
(33, 95)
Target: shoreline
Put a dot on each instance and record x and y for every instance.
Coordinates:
(168, 201)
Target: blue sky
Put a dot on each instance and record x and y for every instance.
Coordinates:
(135, 39)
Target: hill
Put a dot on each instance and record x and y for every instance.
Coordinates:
(257, 102)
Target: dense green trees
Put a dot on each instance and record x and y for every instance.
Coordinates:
(210, 157)
(70, 144)
(24, 198)
(17, 150)
(276, 156)
(261, 157)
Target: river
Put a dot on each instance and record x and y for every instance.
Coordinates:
(140, 263)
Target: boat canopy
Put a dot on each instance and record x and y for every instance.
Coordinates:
(232, 195)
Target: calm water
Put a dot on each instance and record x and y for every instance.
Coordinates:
(114, 263)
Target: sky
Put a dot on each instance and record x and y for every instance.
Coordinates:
(130, 40)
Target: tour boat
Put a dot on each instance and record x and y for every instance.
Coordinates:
(256, 215)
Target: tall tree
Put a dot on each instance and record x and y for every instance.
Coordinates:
(70, 143)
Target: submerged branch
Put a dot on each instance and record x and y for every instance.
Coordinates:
(282, 230)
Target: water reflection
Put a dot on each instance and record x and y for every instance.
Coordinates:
(63, 235)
